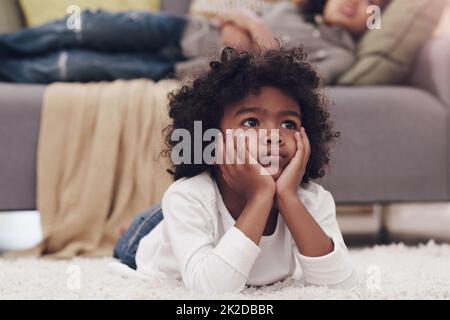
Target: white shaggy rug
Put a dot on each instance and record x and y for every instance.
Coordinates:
(386, 272)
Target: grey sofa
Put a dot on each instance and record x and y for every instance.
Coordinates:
(394, 145)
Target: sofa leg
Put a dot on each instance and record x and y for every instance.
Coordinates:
(383, 236)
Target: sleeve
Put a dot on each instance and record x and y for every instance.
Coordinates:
(200, 38)
(335, 269)
(332, 63)
(206, 268)
(192, 67)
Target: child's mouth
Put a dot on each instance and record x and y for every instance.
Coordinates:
(272, 158)
(267, 161)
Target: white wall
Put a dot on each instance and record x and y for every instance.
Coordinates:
(444, 26)
(19, 230)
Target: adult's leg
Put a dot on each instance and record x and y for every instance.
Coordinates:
(126, 246)
(84, 66)
(131, 31)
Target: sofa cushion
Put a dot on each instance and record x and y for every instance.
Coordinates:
(385, 55)
(41, 11)
(10, 16)
(175, 7)
(20, 113)
(393, 146)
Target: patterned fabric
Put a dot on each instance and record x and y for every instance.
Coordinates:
(213, 7)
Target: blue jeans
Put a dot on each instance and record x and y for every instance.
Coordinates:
(126, 247)
(109, 46)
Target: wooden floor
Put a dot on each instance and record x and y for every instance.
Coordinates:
(410, 223)
(356, 209)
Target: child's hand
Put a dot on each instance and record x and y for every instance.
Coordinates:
(233, 36)
(247, 178)
(289, 180)
(260, 34)
(241, 18)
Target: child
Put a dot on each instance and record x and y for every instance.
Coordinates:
(227, 225)
(141, 44)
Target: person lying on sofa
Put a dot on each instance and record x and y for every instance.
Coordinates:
(147, 45)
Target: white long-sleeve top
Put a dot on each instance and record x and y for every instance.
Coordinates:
(198, 240)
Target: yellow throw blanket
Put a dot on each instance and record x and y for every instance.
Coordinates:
(98, 162)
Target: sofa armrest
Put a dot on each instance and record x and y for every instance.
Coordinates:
(431, 69)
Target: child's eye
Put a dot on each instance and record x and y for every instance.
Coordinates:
(288, 124)
(252, 122)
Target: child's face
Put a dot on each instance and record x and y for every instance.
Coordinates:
(349, 14)
(270, 109)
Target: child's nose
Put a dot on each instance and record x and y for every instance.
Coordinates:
(273, 137)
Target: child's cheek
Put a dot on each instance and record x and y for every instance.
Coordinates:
(253, 148)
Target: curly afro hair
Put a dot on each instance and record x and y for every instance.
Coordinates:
(238, 74)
